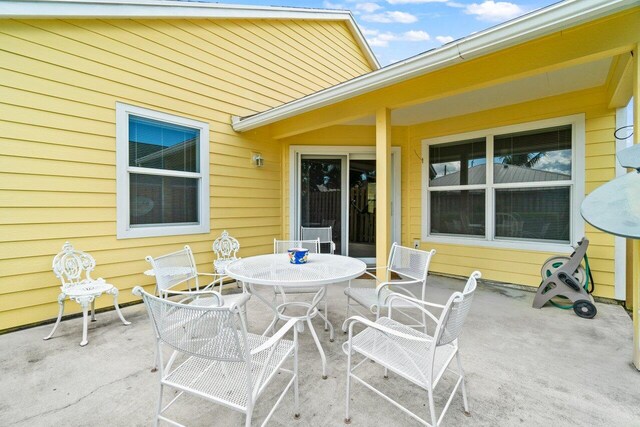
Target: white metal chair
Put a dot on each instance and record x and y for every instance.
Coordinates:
(214, 357)
(324, 234)
(412, 265)
(282, 246)
(226, 249)
(415, 356)
(69, 266)
(179, 268)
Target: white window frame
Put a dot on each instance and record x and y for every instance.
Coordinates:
(576, 184)
(123, 170)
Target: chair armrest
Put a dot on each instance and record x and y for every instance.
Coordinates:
(415, 300)
(276, 337)
(419, 304)
(193, 295)
(357, 319)
(387, 284)
(245, 296)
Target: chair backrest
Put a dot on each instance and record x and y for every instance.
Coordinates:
(409, 262)
(217, 333)
(226, 247)
(455, 312)
(70, 265)
(282, 246)
(324, 234)
(174, 269)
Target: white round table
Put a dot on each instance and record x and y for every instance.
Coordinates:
(275, 270)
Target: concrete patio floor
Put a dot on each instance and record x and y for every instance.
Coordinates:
(524, 367)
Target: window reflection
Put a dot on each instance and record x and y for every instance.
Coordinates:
(458, 163)
(542, 155)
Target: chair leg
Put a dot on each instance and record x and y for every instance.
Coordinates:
(114, 292)
(247, 421)
(347, 418)
(296, 394)
(320, 350)
(346, 316)
(61, 298)
(432, 408)
(159, 408)
(93, 310)
(465, 402)
(85, 321)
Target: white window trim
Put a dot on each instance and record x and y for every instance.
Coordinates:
(577, 183)
(123, 228)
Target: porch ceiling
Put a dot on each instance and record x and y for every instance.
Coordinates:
(570, 79)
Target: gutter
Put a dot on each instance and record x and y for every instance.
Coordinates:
(528, 27)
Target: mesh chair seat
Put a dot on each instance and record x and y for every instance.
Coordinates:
(403, 356)
(227, 381)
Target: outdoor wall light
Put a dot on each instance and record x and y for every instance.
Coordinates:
(257, 160)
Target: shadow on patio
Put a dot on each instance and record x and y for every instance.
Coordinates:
(523, 366)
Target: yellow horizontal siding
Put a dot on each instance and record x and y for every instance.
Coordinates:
(59, 82)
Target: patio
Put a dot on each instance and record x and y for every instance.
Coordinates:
(523, 366)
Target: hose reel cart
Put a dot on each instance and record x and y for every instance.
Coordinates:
(566, 277)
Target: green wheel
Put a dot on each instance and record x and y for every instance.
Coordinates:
(554, 263)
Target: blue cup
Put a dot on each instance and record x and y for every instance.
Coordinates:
(298, 255)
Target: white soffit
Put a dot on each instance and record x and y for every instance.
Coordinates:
(571, 79)
(534, 25)
(146, 9)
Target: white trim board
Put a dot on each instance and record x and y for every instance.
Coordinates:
(123, 228)
(533, 25)
(577, 183)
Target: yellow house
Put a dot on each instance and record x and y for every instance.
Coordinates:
(482, 149)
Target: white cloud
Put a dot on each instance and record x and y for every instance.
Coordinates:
(444, 39)
(416, 36)
(494, 11)
(415, 1)
(368, 7)
(383, 39)
(390, 17)
(328, 5)
(369, 31)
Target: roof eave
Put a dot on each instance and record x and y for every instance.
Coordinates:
(534, 25)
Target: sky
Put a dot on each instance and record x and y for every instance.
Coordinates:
(399, 29)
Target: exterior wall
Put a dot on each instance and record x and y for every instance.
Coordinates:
(515, 266)
(344, 136)
(59, 83)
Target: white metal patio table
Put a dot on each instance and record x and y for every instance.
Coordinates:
(276, 270)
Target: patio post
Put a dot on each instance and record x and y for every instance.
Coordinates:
(383, 185)
(636, 243)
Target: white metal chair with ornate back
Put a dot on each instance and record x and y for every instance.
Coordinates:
(226, 249)
(411, 265)
(70, 266)
(214, 357)
(415, 356)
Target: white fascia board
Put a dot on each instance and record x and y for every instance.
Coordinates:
(159, 9)
(362, 43)
(533, 25)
